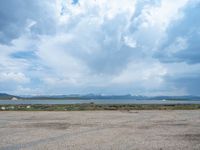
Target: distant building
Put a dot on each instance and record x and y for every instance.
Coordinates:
(3, 108)
(14, 98)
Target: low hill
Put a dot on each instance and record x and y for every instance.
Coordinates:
(5, 96)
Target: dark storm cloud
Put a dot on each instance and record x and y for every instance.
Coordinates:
(187, 28)
(15, 16)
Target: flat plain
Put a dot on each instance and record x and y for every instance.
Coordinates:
(100, 130)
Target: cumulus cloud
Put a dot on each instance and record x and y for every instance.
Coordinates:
(12, 76)
(99, 46)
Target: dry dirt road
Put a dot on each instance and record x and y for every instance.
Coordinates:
(100, 130)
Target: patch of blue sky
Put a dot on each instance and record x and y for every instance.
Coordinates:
(24, 55)
(75, 1)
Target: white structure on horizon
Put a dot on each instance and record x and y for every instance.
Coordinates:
(14, 98)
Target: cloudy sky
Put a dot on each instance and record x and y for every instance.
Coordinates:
(146, 47)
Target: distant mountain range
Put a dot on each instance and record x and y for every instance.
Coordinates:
(4, 96)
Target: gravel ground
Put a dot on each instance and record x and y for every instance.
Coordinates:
(100, 130)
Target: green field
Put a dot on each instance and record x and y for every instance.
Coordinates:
(92, 106)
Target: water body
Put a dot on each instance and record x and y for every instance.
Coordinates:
(96, 101)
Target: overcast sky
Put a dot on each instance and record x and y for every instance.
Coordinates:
(141, 47)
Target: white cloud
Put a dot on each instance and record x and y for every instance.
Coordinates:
(13, 76)
(130, 42)
(97, 45)
(142, 74)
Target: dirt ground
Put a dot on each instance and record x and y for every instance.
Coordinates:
(100, 130)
